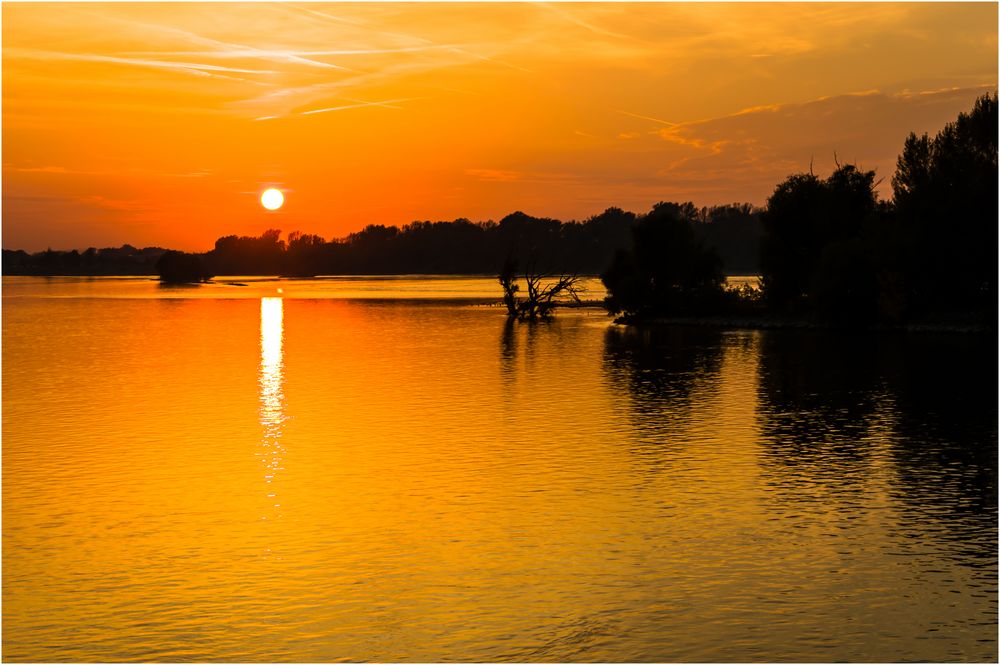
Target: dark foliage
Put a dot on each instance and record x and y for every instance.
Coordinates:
(124, 260)
(831, 250)
(304, 255)
(248, 255)
(734, 232)
(668, 270)
(945, 195)
(816, 254)
(181, 268)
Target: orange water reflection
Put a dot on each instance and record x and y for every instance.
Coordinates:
(419, 481)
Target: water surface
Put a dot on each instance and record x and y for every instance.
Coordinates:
(385, 470)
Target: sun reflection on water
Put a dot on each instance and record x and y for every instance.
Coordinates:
(271, 384)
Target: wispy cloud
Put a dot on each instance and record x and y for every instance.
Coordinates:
(290, 100)
(39, 169)
(299, 56)
(219, 46)
(196, 68)
(651, 119)
(120, 205)
(507, 175)
(388, 103)
(765, 143)
(575, 19)
(66, 171)
(495, 175)
(362, 24)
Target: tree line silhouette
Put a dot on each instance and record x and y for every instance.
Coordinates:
(831, 251)
(825, 248)
(456, 247)
(124, 260)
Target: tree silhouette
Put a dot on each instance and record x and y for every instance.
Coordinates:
(945, 194)
(815, 254)
(733, 231)
(668, 269)
(303, 255)
(248, 255)
(543, 294)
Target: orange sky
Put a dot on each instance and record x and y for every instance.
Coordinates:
(160, 124)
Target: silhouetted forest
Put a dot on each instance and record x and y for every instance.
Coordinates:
(826, 249)
(124, 260)
(456, 247)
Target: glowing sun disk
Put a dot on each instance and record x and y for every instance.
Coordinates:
(272, 198)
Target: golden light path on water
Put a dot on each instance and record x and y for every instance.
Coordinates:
(272, 398)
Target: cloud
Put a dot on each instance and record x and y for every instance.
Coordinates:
(297, 83)
(575, 19)
(495, 175)
(757, 147)
(651, 119)
(388, 103)
(291, 99)
(197, 68)
(740, 156)
(62, 170)
(216, 46)
(120, 205)
(40, 169)
(293, 64)
(502, 175)
(292, 55)
(364, 25)
(35, 199)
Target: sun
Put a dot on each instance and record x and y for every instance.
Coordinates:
(272, 198)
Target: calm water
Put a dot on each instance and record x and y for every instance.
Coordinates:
(379, 470)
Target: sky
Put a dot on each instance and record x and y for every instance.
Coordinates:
(156, 124)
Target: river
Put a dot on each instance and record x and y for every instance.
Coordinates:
(384, 469)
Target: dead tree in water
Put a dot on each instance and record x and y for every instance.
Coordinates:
(543, 295)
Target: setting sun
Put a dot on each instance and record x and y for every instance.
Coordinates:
(272, 199)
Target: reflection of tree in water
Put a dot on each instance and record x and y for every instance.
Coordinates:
(529, 350)
(833, 405)
(818, 393)
(527, 339)
(662, 370)
(945, 448)
(508, 351)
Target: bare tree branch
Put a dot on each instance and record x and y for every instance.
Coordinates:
(543, 297)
